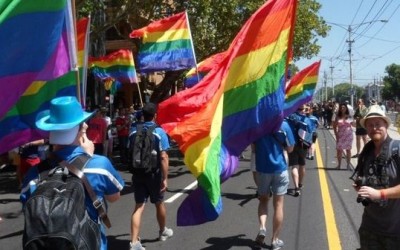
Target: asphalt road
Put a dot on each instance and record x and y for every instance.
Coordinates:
(325, 216)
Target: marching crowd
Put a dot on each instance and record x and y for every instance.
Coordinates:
(275, 159)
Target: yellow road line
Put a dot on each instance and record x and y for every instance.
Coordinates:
(330, 222)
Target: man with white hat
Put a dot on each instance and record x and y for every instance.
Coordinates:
(378, 184)
(65, 121)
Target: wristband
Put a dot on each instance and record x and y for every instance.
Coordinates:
(383, 195)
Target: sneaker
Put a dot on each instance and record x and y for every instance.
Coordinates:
(277, 244)
(136, 246)
(311, 157)
(261, 236)
(300, 186)
(166, 234)
(297, 192)
(355, 156)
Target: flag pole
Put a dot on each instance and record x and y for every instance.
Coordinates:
(140, 94)
(191, 39)
(72, 44)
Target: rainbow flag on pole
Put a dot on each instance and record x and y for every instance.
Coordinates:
(18, 125)
(233, 105)
(118, 65)
(166, 45)
(195, 74)
(301, 87)
(37, 44)
(83, 31)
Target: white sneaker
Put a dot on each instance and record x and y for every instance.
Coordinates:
(168, 233)
(261, 236)
(136, 246)
(277, 244)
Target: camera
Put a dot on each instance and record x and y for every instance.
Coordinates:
(362, 181)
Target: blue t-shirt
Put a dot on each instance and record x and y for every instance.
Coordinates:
(161, 138)
(270, 158)
(102, 176)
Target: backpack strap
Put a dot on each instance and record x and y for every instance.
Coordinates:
(76, 168)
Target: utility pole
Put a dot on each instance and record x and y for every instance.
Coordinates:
(333, 86)
(351, 70)
(326, 89)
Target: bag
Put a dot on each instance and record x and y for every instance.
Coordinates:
(301, 131)
(56, 215)
(144, 156)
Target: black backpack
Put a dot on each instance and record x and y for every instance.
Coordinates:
(56, 215)
(145, 157)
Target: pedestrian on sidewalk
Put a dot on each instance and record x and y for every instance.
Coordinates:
(272, 178)
(150, 184)
(378, 184)
(361, 133)
(342, 128)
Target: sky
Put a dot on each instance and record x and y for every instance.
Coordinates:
(376, 44)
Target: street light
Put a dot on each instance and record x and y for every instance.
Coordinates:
(350, 42)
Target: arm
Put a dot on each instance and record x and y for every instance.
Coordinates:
(112, 197)
(164, 169)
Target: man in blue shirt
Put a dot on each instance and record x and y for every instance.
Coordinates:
(151, 184)
(66, 123)
(273, 177)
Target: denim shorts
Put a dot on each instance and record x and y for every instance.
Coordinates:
(276, 183)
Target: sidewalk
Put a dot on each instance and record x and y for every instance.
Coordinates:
(392, 131)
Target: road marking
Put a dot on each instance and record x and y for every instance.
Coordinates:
(330, 222)
(177, 195)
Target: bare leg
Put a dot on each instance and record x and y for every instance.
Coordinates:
(302, 173)
(339, 157)
(295, 175)
(263, 211)
(278, 216)
(161, 215)
(135, 221)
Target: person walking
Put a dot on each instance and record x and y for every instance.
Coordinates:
(151, 184)
(272, 178)
(65, 120)
(297, 158)
(343, 134)
(380, 224)
(97, 132)
(361, 133)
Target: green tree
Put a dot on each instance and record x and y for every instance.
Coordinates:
(391, 89)
(214, 24)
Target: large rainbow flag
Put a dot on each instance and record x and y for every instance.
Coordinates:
(118, 65)
(18, 125)
(82, 32)
(37, 44)
(233, 105)
(301, 88)
(195, 74)
(166, 45)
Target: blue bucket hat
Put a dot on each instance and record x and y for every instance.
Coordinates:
(65, 113)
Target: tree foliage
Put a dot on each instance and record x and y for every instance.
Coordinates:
(214, 24)
(391, 89)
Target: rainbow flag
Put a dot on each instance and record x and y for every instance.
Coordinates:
(301, 87)
(37, 44)
(166, 45)
(197, 73)
(18, 125)
(83, 31)
(118, 65)
(233, 105)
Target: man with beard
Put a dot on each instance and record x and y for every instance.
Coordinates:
(378, 184)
